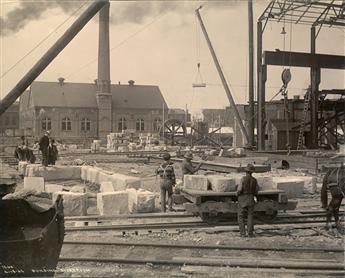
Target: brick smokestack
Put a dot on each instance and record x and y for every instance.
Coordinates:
(104, 97)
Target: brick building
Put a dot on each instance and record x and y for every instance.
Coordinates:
(70, 110)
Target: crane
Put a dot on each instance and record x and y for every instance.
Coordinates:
(222, 77)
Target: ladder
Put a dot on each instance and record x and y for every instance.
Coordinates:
(305, 111)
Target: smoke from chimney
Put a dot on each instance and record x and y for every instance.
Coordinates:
(125, 12)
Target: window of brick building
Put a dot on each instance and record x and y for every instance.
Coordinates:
(66, 124)
(122, 125)
(157, 124)
(140, 126)
(46, 124)
(85, 124)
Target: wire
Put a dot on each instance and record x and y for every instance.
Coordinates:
(42, 41)
(119, 44)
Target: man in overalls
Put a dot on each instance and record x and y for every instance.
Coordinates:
(334, 181)
(246, 191)
(166, 174)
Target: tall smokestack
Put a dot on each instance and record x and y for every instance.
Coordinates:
(104, 98)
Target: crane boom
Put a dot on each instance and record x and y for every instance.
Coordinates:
(49, 56)
(222, 77)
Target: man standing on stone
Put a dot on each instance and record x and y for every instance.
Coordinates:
(44, 143)
(166, 174)
(187, 166)
(246, 191)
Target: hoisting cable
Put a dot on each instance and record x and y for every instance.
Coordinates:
(198, 80)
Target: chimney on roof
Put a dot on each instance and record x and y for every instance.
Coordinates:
(61, 80)
(131, 82)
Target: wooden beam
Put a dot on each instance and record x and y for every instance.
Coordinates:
(300, 59)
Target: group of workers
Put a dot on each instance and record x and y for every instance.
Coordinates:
(247, 191)
(46, 145)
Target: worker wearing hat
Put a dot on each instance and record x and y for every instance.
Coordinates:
(334, 181)
(187, 166)
(44, 143)
(166, 174)
(246, 191)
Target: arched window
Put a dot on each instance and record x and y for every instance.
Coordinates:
(85, 124)
(140, 125)
(157, 124)
(46, 123)
(122, 124)
(66, 124)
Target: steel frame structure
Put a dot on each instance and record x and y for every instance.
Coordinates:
(316, 14)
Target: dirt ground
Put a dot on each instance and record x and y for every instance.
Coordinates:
(145, 170)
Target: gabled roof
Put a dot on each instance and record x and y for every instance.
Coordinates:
(83, 95)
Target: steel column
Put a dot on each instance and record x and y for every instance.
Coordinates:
(314, 83)
(260, 90)
(251, 118)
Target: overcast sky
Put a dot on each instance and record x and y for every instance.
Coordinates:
(158, 43)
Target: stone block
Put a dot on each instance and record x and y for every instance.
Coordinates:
(54, 172)
(107, 186)
(78, 189)
(34, 183)
(110, 203)
(124, 181)
(293, 186)
(221, 183)
(140, 200)
(52, 187)
(266, 183)
(196, 182)
(74, 204)
(22, 167)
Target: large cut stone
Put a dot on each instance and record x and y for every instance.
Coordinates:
(22, 167)
(124, 181)
(106, 186)
(54, 172)
(221, 183)
(74, 204)
(78, 189)
(293, 186)
(52, 187)
(110, 203)
(140, 200)
(34, 183)
(196, 182)
(265, 183)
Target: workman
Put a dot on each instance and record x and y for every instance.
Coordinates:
(247, 192)
(334, 181)
(167, 177)
(44, 143)
(187, 166)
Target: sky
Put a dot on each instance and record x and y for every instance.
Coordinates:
(158, 43)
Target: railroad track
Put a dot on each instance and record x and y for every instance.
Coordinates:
(175, 222)
(318, 260)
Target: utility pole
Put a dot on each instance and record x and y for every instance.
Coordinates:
(251, 117)
(222, 77)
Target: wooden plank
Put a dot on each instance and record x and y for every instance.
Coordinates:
(261, 263)
(191, 269)
(197, 193)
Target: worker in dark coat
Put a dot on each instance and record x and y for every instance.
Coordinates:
(44, 143)
(20, 153)
(187, 166)
(52, 152)
(334, 181)
(246, 191)
(166, 174)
